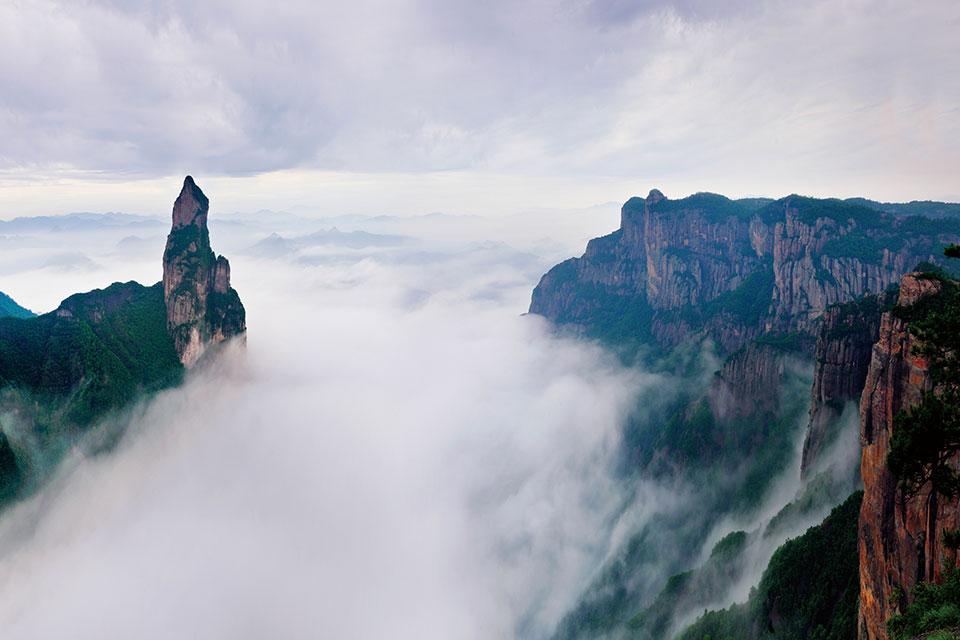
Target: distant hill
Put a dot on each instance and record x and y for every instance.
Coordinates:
(10, 309)
(79, 222)
(925, 208)
(274, 245)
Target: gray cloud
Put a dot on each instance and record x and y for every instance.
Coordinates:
(644, 89)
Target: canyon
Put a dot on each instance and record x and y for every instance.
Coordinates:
(769, 285)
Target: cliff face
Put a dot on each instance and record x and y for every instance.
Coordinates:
(202, 308)
(842, 358)
(732, 270)
(748, 383)
(901, 537)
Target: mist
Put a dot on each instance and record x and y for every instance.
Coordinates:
(396, 452)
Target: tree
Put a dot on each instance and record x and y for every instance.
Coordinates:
(927, 437)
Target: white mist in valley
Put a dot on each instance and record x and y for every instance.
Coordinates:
(397, 452)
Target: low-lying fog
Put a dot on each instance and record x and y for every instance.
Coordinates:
(397, 453)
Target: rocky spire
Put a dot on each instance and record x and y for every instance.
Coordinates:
(202, 308)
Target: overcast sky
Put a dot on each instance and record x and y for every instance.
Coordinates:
(422, 105)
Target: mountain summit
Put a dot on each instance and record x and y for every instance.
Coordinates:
(202, 308)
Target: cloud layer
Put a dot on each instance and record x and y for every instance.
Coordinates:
(746, 97)
(395, 454)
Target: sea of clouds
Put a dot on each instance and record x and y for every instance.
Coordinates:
(396, 451)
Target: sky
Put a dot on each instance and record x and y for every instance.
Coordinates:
(415, 106)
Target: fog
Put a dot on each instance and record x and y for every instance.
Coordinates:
(397, 452)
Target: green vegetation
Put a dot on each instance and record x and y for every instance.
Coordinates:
(692, 589)
(749, 302)
(786, 342)
(714, 205)
(809, 210)
(101, 347)
(803, 595)
(808, 591)
(926, 208)
(66, 369)
(927, 437)
(933, 613)
(857, 311)
(684, 439)
(865, 248)
(10, 309)
(925, 443)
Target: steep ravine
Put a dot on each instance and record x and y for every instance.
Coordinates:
(841, 361)
(766, 283)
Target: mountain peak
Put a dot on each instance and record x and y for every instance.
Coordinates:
(202, 308)
(655, 196)
(191, 206)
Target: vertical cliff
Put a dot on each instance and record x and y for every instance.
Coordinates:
(841, 360)
(770, 283)
(748, 383)
(732, 270)
(901, 534)
(202, 308)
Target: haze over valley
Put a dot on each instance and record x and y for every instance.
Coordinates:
(536, 321)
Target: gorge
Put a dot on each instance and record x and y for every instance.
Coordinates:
(768, 286)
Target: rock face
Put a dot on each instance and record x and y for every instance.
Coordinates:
(842, 357)
(900, 541)
(202, 308)
(732, 269)
(748, 383)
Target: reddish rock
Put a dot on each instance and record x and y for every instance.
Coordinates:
(901, 537)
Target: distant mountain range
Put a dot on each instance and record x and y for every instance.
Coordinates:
(79, 222)
(275, 245)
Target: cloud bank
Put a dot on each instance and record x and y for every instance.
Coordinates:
(393, 455)
(742, 97)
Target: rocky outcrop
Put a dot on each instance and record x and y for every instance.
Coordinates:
(842, 357)
(748, 383)
(901, 537)
(732, 270)
(202, 308)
